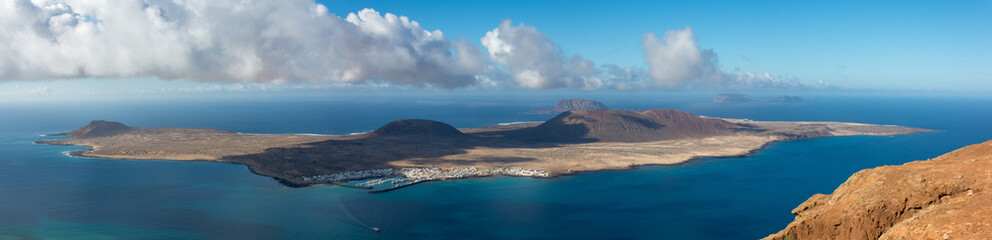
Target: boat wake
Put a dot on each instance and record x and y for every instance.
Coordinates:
(352, 216)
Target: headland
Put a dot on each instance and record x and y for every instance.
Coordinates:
(947, 197)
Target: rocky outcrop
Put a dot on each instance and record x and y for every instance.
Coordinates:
(98, 128)
(949, 197)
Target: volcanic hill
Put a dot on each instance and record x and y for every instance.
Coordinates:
(627, 126)
(416, 127)
(98, 128)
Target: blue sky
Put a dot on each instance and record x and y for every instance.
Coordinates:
(874, 44)
(821, 45)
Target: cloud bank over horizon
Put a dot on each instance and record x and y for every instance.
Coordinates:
(265, 41)
(299, 41)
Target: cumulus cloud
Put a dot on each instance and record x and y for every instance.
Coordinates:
(533, 61)
(226, 40)
(676, 61)
(299, 41)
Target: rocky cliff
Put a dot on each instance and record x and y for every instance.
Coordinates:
(949, 197)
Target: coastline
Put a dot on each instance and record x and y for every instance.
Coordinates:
(550, 176)
(298, 161)
(293, 183)
(299, 184)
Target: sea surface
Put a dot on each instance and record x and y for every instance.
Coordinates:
(45, 194)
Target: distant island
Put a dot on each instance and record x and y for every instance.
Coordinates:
(410, 151)
(574, 104)
(741, 98)
(947, 197)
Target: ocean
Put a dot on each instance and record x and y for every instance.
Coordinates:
(46, 194)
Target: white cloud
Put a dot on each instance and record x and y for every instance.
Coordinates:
(675, 59)
(225, 40)
(298, 41)
(533, 61)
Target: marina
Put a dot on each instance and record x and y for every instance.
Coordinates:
(388, 179)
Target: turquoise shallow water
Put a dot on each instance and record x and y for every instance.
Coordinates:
(45, 194)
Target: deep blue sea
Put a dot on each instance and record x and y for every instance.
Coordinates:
(45, 194)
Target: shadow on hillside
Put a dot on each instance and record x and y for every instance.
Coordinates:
(378, 152)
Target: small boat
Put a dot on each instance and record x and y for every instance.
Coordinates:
(375, 229)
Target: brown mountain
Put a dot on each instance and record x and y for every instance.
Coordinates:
(948, 197)
(626, 126)
(416, 127)
(98, 128)
(576, 104)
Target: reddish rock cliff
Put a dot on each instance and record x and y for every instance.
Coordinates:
(949, 197)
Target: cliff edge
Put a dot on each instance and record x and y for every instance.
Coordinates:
(948, 197)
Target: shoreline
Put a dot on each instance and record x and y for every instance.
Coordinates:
(298, 161)
(551, 175)
(573, 173)
(631, 168)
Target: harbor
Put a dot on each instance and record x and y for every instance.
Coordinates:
(388, 179)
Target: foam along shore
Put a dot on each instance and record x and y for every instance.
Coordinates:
(424, 150)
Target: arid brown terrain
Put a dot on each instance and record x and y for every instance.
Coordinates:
(948, 197)
(570, 142)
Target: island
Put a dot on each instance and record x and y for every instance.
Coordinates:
(574, 104)
(948, 197)
(741, 98)
(409, 151)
